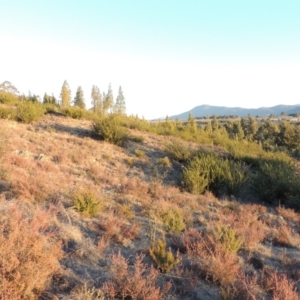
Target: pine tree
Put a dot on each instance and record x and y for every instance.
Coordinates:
(120, 107)
(53, 100)
(79, 98)
(215, 123)
(192, 125)
(97, 103)
(65, 95)
(46, 99)
(108, 101)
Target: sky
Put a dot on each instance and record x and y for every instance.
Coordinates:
(168, 56)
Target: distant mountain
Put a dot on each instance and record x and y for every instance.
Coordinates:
(210, 110)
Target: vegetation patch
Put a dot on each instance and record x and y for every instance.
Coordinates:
(110, 130)
(28, 112)
(86, 202)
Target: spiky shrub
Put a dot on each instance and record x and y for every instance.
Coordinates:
(178, 151)
(228, 238)
(86, 202)
(28, 112)
(110, 130)
(275, 181)
(173, 220)
(164, 259)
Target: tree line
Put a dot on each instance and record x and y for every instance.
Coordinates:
(101, 103)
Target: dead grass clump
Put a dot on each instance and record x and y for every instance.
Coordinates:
(283, 236)
(134, 186)
(137, 282)
(119, 230)
(245, 287)
(288, 214)
(29, 185)
(30, 254)
(247, 226)
(86, 293)
(216, 263)
(279, 286)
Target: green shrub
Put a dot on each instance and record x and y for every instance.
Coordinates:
(137, 139)
(109, 129)
(164, 259)
(178, 151)
(8, 98)
(139, 153)
(7, 113)
(165, 161)
(86, 202)
(235, 177)
(208, 171)
(205, 171)
(275, 181)
(28, 111)
(74, 112)
(228, 238)
(50, 108)
(173, 220)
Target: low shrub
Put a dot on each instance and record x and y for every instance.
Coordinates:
(8, 98)
(208, 171)
(74, 112)
(164, 259)
(137, 138)
(275, 181)
(50, 108)
(139, 153)
(109, 129)
(165, 161)
(236, 177)
(178, 151)
(173, 220)
(7, 113)
(86, 202)
(228, 238)
(28, 112)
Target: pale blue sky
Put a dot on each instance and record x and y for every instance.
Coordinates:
(169, 56)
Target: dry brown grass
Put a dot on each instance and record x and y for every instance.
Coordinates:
(30, 253)
(215, 263)
(47, 162)
(137, 282)
(279, 286)
(117, 229)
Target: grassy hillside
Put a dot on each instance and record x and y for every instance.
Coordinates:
(159, 216)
